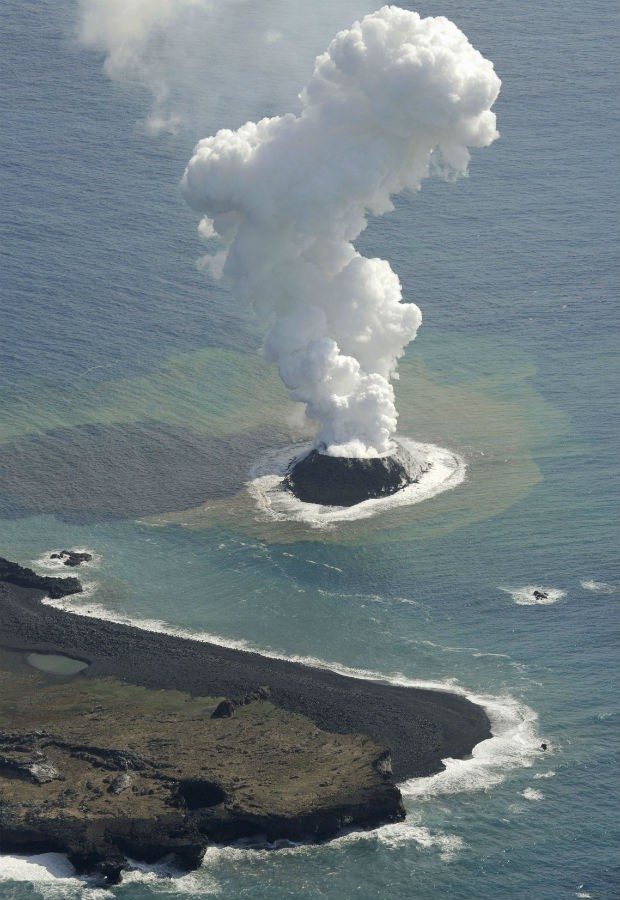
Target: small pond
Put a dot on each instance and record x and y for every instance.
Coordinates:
(54, 664)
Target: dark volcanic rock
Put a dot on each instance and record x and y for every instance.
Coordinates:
(189, 779)
(54, 587)
(143, 774)
(200, 792)
(224, 710)
(344, 481)
(227, 707)
(72, 558)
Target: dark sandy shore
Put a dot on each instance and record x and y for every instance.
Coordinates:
(419, 726)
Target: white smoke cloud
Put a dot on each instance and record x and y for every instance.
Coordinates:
(394, 99)
(202, 60)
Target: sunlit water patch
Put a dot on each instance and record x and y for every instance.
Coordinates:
(598, 587)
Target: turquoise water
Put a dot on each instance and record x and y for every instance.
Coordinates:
(134, 403)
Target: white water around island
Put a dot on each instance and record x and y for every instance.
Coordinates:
(515, 269)
(443, 470)
(514, 742)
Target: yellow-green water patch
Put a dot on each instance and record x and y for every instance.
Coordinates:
(212, 391)
(478, 401)
(471, 395)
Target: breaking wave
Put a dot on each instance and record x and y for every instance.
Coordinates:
(534, 595)
(446, 470)
(598, 587)
(514, 743)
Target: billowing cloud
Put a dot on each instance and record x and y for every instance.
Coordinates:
(394, 99)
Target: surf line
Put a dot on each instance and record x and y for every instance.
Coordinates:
(444, 470)
(513, 743)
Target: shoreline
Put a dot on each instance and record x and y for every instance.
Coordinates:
(419, 726)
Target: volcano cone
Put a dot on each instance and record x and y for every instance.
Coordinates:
(345, 481)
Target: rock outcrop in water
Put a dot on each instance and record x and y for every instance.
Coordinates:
(72, 558)
(345, 481)
(55, 588)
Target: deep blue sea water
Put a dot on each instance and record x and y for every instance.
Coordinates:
(134, 403)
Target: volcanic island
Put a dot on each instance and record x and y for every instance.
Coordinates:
(161, 745)
(317, 477)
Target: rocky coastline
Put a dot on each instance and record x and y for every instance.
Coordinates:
(164, 744)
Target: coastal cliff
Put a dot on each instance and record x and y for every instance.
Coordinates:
(101, 770)
(163, 744)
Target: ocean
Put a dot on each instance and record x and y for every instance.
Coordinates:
(135, 405)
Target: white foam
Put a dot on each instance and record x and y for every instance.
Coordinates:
(54, 877)
(153, 874)
(446, 648)
(449, 845)
(532, 794)
(392, 836)
(37, 868)
(598, 587)
(364, 599)
(446, 471)
(45, 561)
(514, 743)
(524, 596)
(93, 610)
(313, 562)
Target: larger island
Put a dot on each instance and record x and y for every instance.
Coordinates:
(161, 744)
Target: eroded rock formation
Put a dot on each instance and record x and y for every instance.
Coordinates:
(101, 770)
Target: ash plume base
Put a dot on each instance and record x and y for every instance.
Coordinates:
(443, 470)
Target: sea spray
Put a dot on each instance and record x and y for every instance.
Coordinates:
(393, 100)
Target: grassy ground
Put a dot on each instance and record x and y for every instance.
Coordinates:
(266, 760)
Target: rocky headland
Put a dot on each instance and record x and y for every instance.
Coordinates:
(162, 745)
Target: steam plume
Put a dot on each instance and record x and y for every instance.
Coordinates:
(394, 99)
(202, 60)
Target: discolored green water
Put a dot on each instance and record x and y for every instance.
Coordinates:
(135, 403)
